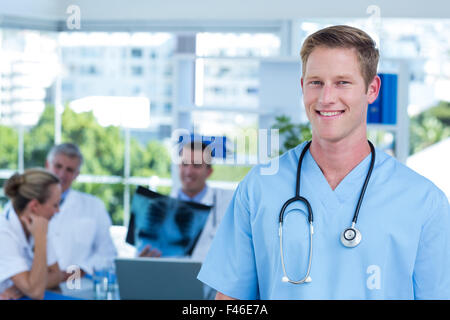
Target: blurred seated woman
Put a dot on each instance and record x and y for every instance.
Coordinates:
(27, 262)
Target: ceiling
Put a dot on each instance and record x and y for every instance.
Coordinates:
(213, 10)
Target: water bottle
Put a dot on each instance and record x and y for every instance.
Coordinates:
(112, 292)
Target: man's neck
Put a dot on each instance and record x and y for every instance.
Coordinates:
(337, 159)
(192, 193)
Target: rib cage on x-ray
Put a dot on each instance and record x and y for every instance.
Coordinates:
(167, 224)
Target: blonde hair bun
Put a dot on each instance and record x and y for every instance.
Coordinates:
(32, 184)
(13, 184)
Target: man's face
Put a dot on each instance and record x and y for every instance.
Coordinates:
(65, 168)
(193, 174)
(335, 95)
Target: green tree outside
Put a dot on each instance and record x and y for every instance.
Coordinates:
(102, 148)
(426, 129)
(291, 134)
(8, 148)
(429, 127)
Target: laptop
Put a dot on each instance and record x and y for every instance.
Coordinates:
(158, 279)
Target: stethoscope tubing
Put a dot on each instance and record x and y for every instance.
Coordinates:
(366, 182)
(292, 200)
(306, 278)
(297, 197)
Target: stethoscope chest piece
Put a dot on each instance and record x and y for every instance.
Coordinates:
(351, 237)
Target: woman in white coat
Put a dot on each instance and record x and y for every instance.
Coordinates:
(27, 265)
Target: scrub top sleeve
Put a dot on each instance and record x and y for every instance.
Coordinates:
(229, 266)
(432, 267)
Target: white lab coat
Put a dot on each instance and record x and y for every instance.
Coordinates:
(80, 232)
(16, 252)
(219, 199)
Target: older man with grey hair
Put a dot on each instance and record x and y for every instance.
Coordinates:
(80, 231)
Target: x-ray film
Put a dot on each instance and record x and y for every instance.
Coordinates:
(170, 225)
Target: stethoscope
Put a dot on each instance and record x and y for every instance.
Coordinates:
(350, 237)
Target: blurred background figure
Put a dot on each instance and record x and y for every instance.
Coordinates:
(195, 168)
(80, 230)
(28, 264)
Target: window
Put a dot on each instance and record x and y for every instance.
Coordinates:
(91, 65)
(137, 71)
(224, 82)
(230, 83)
(136, 53)
(92, 70)
(167, 108)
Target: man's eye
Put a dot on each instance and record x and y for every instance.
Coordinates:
(315, 83)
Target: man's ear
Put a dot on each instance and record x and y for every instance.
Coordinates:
(210, 171)
(373, 90)
(77, 174)
(47, 165)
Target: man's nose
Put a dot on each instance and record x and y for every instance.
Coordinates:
(327, 95)
(189, 168)
(62, 174)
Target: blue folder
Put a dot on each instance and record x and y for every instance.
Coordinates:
(374, 111)
(384, 108)
(389, 98)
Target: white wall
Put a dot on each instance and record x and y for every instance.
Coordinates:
(38, 9)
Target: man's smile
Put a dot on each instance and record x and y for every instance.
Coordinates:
(330, 114)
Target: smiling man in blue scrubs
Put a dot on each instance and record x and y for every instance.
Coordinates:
(404, 219)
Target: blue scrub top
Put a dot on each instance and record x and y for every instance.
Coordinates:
(404, 221)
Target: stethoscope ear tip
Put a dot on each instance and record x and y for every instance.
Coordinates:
(285, 279)
(308, 279)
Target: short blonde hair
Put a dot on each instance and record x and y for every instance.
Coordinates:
(32, 184)
(347, 37)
